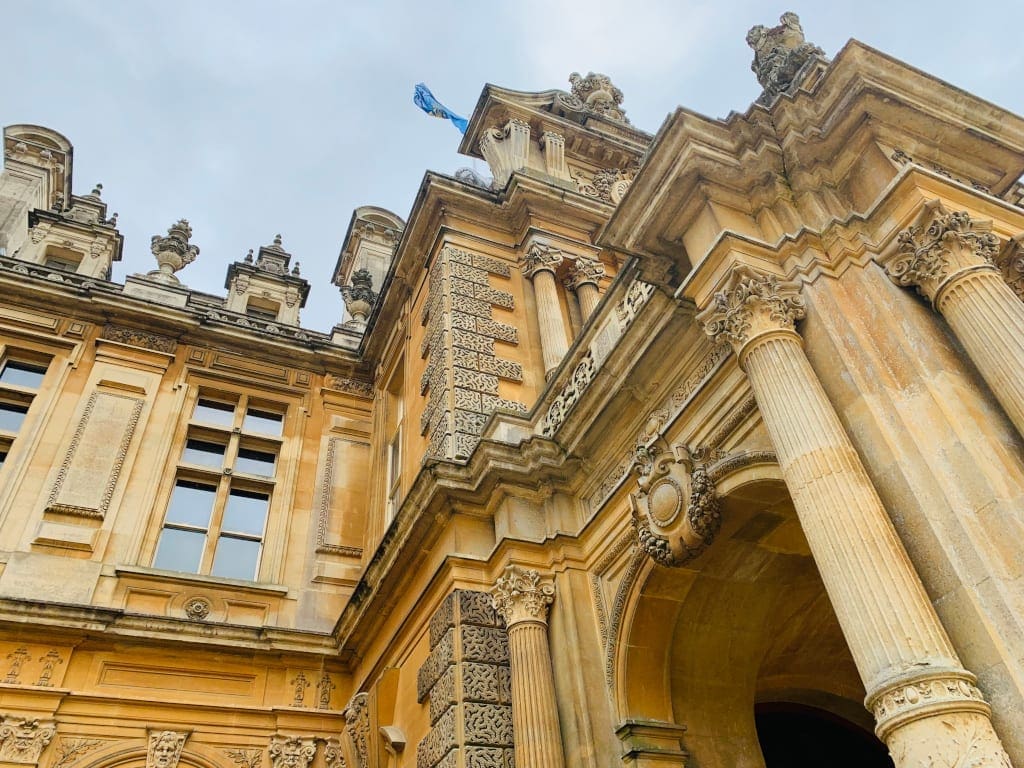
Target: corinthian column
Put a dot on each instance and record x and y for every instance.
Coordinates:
(584, 277)
(539, 265)
(522, 598)
(927, 708)
(950, 259)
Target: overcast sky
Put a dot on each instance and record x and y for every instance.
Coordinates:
(253, 118)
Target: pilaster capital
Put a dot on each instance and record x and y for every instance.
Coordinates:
(164, 748)
(22, 740)
(541, 257)
(939, 248)
(755, 306)
(584, 270)
(291, 751)
(522, 595)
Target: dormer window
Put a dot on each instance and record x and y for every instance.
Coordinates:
(62, 258)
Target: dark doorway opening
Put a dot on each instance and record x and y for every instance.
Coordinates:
(798, 736)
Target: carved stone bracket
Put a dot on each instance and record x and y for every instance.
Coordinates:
(939, 248)
(23, 740)
(506, 149)
(291, 751)
(522, 595)
(357, 727)
(164, 748)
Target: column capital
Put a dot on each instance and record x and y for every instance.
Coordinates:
(939, 248)
(523, 594)
(584, 270)
(754, 306)
(541, 257)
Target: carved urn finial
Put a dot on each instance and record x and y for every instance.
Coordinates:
(173, 251)
(359, 296)
(97, 190)
(779, 55)
(599, 95)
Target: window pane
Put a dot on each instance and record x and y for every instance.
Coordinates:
(246, 512)
(263, 422)
(255, 462)
(22, 374)
(202, 452)
(179, 550)
(11, 416)
(191, 504)
(236, 558)
(214, 412)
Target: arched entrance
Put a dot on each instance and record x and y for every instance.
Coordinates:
(715, 646)
(800, 736)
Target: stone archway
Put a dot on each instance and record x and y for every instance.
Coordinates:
(746, 622)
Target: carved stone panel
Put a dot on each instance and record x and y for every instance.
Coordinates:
(467, 680)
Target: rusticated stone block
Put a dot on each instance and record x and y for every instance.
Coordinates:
(442, 620)
(442, 694)
(469, 421)
(462, 320)
(493, 296)
(470, 339)
(468, 400)
(491, 403)
(477, 608)
(480, 382)
(492, 265)
(440, 658)
(500, 331)
(472, 274)
(483, 683)
(489, 724)
(489, 757)
(504, 369)
(439, 740)
(487, 644)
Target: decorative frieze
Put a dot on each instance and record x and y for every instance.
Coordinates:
(467, 680)
(139, 338)
(461, 379)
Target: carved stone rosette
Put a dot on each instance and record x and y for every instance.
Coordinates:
(164, 748)
(291, 751)
(933, 256)
(23, 740)
(676, 511)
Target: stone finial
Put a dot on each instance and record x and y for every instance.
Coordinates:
(359, 296)
(522, 595)
(598, 94)
(97, 191)
(779, 54)
(165, 749)
(173, 251)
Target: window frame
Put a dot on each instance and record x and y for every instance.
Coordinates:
(20, 396)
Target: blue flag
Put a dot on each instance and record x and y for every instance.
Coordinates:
(425, 100)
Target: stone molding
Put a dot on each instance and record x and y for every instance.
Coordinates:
(164, 748)
(940, 248)
(924, 695)
(523, 595)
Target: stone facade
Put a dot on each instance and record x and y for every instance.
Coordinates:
(643, 453)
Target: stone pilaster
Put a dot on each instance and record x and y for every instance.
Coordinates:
(539, 265)
(522, 598)
(950, 259)
(584, 277)
(923, 701)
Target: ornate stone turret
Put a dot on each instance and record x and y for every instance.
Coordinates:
(79, 238)
(779, 55)
(172, 251)
(264, 288)
(365, 258)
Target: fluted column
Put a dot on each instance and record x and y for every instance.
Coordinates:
(950, 259)
(584, 276)
(522, 598)
(539, 265)
(926, 705)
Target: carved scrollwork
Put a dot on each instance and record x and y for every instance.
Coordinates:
(929, 255)
(291, 751)
(670, 481)
(357, 727)
(522, 595)
(756, 304)
(1011, 264)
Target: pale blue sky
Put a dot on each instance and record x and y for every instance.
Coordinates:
(252, 118)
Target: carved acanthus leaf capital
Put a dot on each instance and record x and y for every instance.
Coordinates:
(522, 595)
(754, 306)
(23, 740)
(541, 257)
(164, 748)
(930, 254)
(584, 270)
(291, 751)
